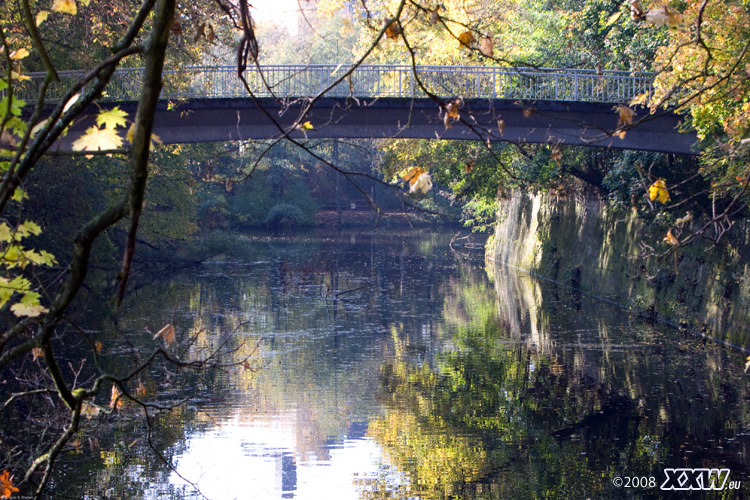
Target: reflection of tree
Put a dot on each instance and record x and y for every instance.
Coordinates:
(495, 417)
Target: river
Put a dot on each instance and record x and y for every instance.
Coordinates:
(390, 364)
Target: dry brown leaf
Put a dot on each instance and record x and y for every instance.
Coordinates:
(501, 126)
(98, 346)
(393, 30)
(625, 114)
(527, 112)
(412, 175)
(487, 46)
(434, 16)
(115, 399)
(90, 410)
(37, 353)
(670, 239)
(140, 389)
(167, 334)
(469, 166)
(556, 155)
(466, 38)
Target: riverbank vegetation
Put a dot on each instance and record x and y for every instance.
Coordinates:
(121, 194)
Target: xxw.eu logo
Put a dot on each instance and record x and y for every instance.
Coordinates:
(698, 479)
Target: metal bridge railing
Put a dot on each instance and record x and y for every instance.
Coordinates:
(369, 81)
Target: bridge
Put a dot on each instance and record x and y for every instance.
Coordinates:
(525, 105)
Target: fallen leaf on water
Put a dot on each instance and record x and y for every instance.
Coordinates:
(98, 346)
(527, 112)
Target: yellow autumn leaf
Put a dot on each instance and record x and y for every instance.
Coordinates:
(36, 353)
(658, 191)
(89, 410)
(112, 118)
(14, 75)
(684, 220)
(639, 99)
(98, 346)
(65, 7)
(30, 310)
(613, 18)
(41, 16)
(307, 126)
(6, 235)
(19, 54)
(98, 139)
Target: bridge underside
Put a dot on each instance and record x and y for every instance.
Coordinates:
(553, 122)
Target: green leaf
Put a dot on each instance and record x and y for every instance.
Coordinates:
(19, 195)
(6, 235)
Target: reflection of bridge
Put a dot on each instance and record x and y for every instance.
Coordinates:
(534, 105)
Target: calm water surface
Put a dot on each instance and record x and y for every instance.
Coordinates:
(387, 365)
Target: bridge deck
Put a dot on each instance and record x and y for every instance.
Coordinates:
(202, 104)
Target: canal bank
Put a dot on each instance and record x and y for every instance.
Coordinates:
(582, 243)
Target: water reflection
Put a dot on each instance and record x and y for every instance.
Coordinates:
(387, 366)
